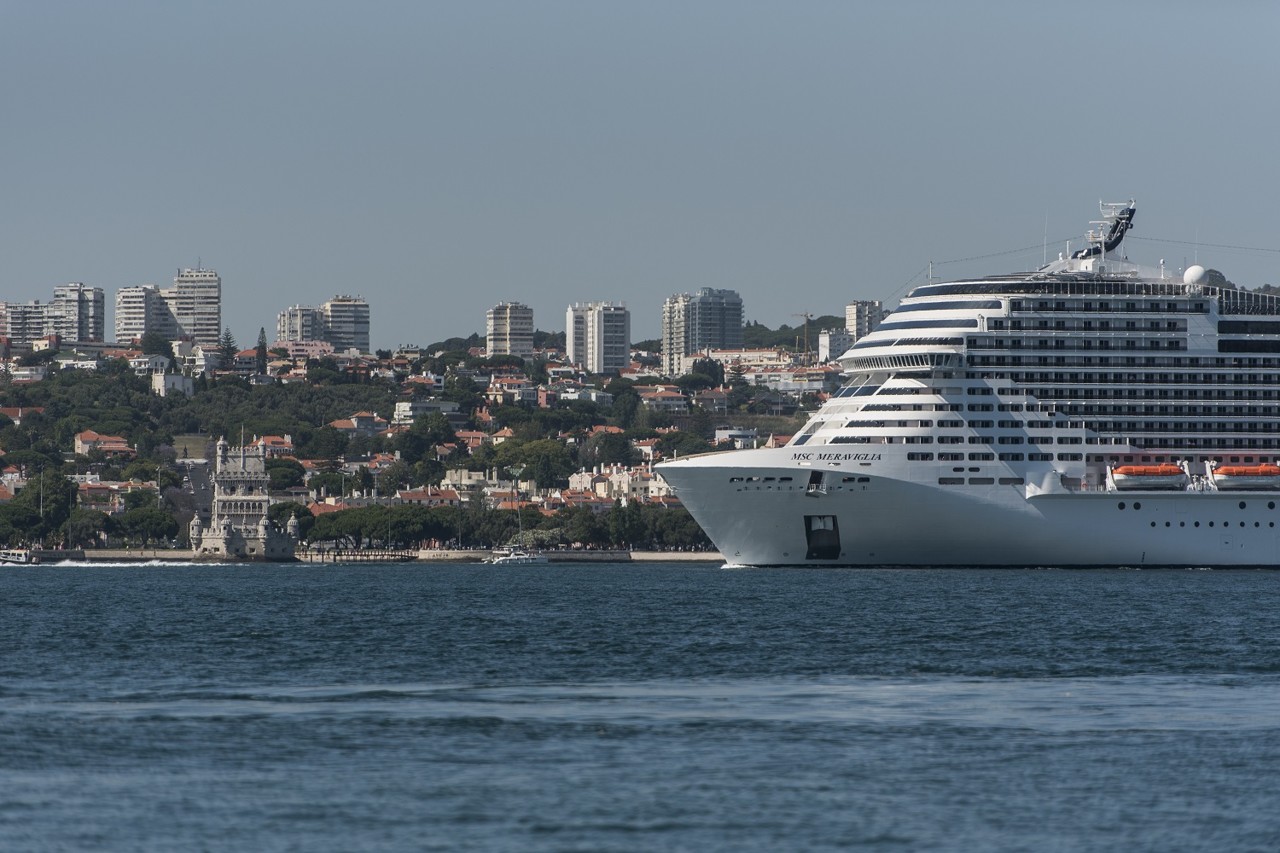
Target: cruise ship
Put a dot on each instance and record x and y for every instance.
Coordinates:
(1093, 412)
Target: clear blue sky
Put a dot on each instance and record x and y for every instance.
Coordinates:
(438, 158)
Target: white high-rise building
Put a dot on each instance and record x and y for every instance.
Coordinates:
(598, 336)
(832, 344)
(77, 313)
(509, 329)
(141, 309)
(343, 321)
(862, 317)
(300, 323)
(195, 301)
(346, 323)
(23, 322)
(707, 319)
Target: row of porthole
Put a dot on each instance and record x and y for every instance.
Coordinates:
(1243, 504)
(1224, 524)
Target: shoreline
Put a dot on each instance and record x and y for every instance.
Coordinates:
(434, 555)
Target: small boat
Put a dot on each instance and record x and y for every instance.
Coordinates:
(1163, 476)
(1243, 477)
(18, 557)
(519, 558)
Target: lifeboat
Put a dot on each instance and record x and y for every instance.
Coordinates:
(1166, 476)
(1231, 477)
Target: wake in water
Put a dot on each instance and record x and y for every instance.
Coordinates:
(120, 564)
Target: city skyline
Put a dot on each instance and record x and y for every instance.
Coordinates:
(441, 157)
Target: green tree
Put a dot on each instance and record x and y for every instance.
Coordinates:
(85, 527)
(608, 448)
(148, 524)
(260, 355)
(285, 474)
(154, 343)
(227, 349)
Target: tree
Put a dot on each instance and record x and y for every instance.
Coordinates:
(392, 477)
(85, 526)
(227, 349)
(154, 343)
(285, 473)
(147, 525)
(607, 448)
(260, 356)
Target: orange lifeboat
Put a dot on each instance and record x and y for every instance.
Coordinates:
(1230, 477)
(1161, 476)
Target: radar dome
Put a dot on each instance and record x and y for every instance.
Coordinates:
(1193, 275)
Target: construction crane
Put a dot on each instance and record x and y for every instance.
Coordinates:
(807, 317)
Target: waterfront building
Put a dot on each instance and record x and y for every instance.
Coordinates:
(598, 336)
(707, 319)
(509, 329)
(239, 528)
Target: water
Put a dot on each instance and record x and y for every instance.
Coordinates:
(637, 707)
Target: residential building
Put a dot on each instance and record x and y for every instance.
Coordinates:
(111, 445)
(300, 323)
(342, 322)
(832, 343)
(23, 322)
(598, 336)
(191, 309)
(141, 309)
(861, 317)
(509, 329)
(346, 323)
(77, 313)
(195, 301)
(707, 319)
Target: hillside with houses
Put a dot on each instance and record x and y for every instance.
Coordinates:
(417, 448)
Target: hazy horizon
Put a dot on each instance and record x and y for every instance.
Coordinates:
(438, 158)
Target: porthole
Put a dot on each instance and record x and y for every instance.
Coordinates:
(1166, 524)
(1257, 524)
(1137, 505)
(1242, 504)
(1211, 524)
(1120, 505)
(1242, 524)
(1197, 524)
(1182, 524)
(1153, 524)
(1271, 504)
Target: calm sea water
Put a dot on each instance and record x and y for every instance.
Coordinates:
(637, 707)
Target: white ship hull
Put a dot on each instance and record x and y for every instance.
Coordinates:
(886, 520)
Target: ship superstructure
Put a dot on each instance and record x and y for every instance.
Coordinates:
(1073, 415)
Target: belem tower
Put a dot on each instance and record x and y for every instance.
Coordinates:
(239, 528)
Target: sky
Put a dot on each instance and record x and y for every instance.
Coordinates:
(437, 158)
